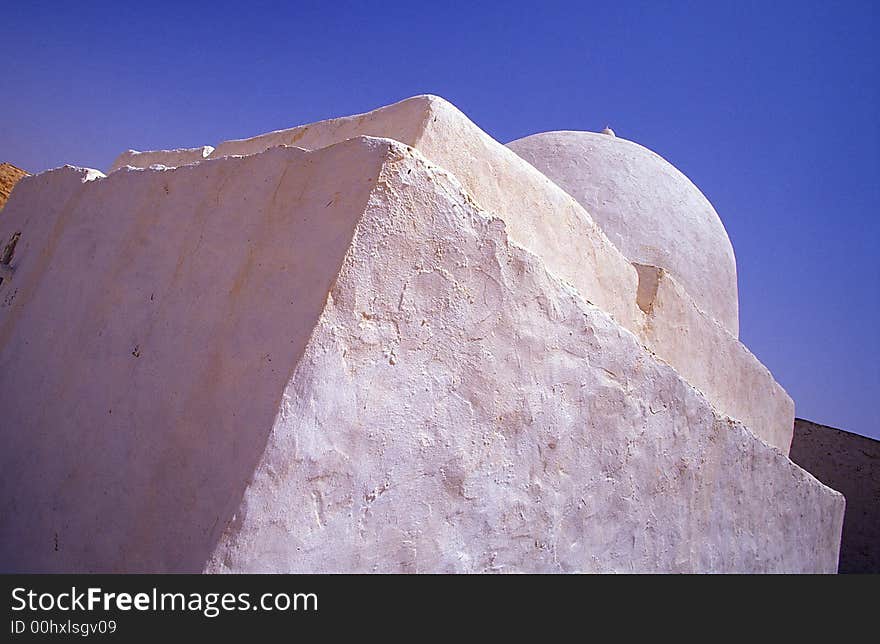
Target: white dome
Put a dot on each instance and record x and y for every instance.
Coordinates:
(652, 212)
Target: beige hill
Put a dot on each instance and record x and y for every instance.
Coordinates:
(9, 176)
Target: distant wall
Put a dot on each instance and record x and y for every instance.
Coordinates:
(850, 464)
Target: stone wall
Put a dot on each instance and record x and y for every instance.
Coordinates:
(850, 464)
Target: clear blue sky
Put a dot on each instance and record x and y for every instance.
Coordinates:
(771, 108)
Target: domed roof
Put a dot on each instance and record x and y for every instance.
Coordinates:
(651, 211)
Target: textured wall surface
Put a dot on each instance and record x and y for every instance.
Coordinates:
(459, 409)
(850, 464)
(339, 361)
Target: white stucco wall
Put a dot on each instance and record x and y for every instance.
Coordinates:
(338, 360)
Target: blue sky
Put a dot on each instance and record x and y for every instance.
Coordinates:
(770, 108)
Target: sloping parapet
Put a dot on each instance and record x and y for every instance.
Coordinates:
(540, 216)
(335, 360)
(850, 464)
(712, 360)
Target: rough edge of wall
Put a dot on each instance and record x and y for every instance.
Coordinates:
(167, 158)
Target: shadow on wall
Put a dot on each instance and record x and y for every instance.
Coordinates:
(146, 338)
(850, 464)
